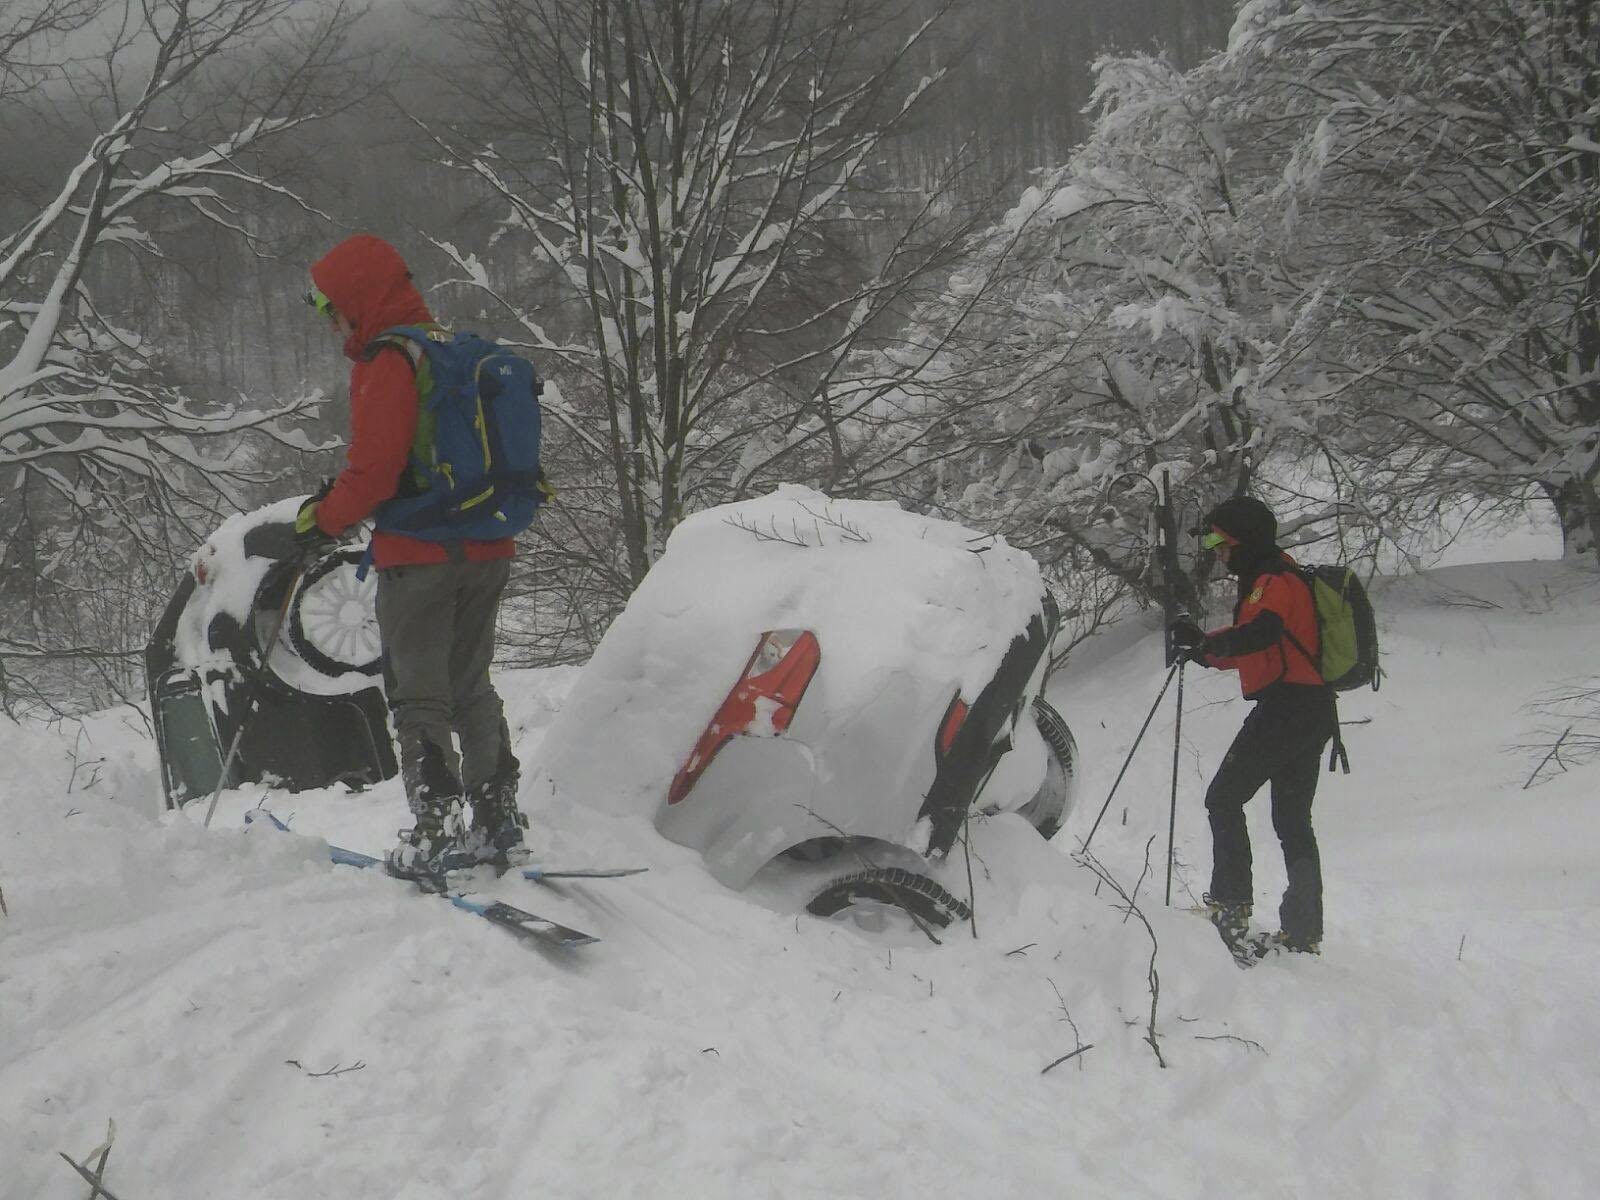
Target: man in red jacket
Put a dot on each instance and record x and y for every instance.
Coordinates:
(1272, 643)
(437, 601)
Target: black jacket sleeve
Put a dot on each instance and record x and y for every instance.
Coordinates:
(1261, 632)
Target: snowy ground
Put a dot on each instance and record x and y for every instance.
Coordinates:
(189, 983)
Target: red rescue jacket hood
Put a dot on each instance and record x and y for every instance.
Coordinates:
(368, 282)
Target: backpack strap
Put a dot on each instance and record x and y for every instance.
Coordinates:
(407, 340)
(1337, 754)
(1311, 595)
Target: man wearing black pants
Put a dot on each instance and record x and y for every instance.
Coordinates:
(1273, 644)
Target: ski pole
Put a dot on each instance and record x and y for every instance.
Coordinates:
(255, 701)
(1148, 718)
(1172, 812)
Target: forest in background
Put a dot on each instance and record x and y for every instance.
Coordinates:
(1345, 261)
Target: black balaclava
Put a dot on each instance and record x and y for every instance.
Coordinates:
(1252, 525)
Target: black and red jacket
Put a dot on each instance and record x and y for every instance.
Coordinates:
(1273, 638)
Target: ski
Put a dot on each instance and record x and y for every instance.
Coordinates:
(525, 925)
(540, 874)
(353, 858)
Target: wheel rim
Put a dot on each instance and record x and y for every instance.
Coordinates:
(337, 617)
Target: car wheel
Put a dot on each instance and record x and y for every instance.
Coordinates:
(333, 624)
(1048, 809)
(889, 887)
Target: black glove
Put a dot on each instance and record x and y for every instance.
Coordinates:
(1187, 639)
(308, 535)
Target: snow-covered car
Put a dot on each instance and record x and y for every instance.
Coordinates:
(280, 654)
(830, 685)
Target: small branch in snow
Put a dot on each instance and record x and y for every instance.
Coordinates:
(336, 1069)
(1130, 908)
(1228, 1037)
(95, 1178)
(1021, 949)
(972, 892)
(1066, 1015)
(794, 538)
(1066, 1057)
(1461, 947)
(1555, 751)
(847, 532)
(93, 765)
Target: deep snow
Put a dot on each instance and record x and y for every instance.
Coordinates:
(169, 977)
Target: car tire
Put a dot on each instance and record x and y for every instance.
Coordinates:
(895, 888)
(1047, 811)
(322, 625)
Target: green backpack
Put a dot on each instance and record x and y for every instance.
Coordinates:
(1346, 626)
(1347, 630)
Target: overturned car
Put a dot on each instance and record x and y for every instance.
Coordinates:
(271, 659)
(829, 688)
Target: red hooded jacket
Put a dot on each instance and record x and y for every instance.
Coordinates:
(366, 280)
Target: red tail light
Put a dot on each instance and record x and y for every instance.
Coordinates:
(204, 566)
(954, 718)
(761, 704)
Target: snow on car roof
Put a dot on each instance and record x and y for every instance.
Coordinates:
(877, 584)
(231, 582)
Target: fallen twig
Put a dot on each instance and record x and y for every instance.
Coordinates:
(336, 1069)
(104, 1151)
(93, 1178)
(1228, 1037)
(1130, 908)
(1066, 1015)
(1554, 751)
(99, 1189)
(1065, 1057)
(966, 851)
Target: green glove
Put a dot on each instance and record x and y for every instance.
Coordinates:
(307, 533)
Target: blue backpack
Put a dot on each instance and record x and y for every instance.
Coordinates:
(474, 467)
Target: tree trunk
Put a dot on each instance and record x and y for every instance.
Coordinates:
(1577, 507)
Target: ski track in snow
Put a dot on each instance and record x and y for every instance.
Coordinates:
(712, 1045)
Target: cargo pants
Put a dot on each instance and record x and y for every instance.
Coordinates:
(437, 624)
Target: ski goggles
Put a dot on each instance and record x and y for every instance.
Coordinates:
(1215, 540)
(321, 303)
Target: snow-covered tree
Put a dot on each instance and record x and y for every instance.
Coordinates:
(700, 186)
(1447, 182)
(101, 443)
(1135, 330)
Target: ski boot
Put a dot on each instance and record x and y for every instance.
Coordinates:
(1232, 922)
(435, 845)
(433, 848)
(1284, 943)
(495, 836)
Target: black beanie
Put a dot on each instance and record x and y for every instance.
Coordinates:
(1245, 519)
